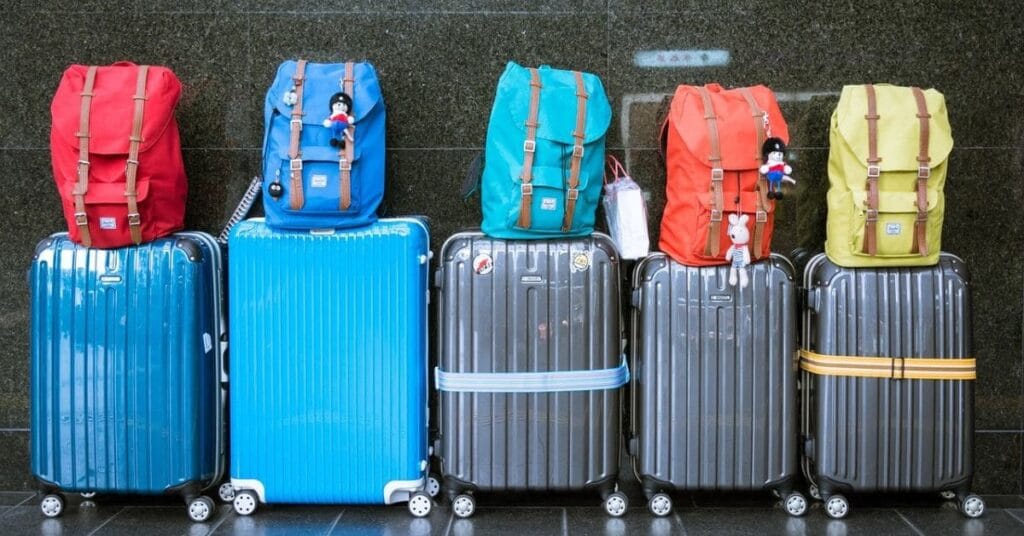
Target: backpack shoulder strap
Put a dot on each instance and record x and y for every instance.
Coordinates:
(345, 155)
(294, 153)
(871, 220)
(577, 152)
(711, 247)
(529, 147)
(761, 216)
(81, 220)
(132, 166)
(924, 171)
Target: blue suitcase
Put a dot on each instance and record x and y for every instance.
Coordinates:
(329, 365)
(127, 369)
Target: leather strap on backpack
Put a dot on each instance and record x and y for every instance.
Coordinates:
(711, 247)
(529, 148)
(82, 186)
(296, 199)
(131, 169)
(345, 155)
(923, 172)
(577, 152)
(870, 223)
(761, 216)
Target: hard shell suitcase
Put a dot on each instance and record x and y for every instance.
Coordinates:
(713, 396)
(877, 417)
(127, 367)
(330, 368)
(530, 367)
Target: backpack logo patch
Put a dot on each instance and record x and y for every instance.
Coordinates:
(548, 203)
(893, 229)
(318, 181)
(108, 223)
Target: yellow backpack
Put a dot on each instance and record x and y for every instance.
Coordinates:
(888, 148)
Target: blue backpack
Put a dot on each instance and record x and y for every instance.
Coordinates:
(323, 150)
(544, 158)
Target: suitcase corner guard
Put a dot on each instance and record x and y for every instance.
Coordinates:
(532, 382)
(897, 368)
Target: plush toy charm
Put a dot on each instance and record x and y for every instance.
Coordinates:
(738, 253)
(775, 168)
(340, 119)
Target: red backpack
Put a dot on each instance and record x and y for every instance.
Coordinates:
(117, 155)
(713, 140)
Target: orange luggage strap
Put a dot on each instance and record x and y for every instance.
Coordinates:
(896, 368)
(294, 154)
(874, 171)
(761, 216)
(924, 171)
(712, 246)
(82, 186)
(345, 155)
(577, 152)
(132, 167)
(529, 148)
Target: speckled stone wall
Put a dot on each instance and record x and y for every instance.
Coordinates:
(438, 63)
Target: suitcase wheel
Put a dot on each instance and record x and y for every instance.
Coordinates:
(52, 505)
(201, 508)
(949, 494)
(796, 504)
(616, 503)
(245, 503)
(226, 492)
(660, 504)
(463, 505)
(972, 506)
(837, 507)
(88, 494)
(420, 504)
(433, 485)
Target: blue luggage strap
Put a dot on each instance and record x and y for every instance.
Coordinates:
(532, 382)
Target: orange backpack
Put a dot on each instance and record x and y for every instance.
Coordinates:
(713, 140)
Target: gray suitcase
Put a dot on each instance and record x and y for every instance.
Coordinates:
(893, 434)
(713, 395)
(530, 368)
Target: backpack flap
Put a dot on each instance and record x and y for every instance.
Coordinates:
(899, 130)
(321, 178)
(556, 115)
(321, 81)
(737, 129)
(112, 104)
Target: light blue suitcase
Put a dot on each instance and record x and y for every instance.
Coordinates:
(127, 368)
(329, 371)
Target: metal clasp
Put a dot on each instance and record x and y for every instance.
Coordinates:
(134, 218)
(530, 146)
(923, 172)
(761, 217)
(344, 165)
(526, 188)
(81, 219)
(716, 215)
(577, 151)
(874, 171)
(296, 164)
(717, 174)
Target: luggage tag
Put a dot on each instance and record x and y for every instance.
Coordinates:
(625, 211)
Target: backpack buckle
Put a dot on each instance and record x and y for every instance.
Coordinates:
(134, 218)
(874, 171)
(296, 164)
(872, 214)
(526, 188)
(923, 172)
(716, 215)
(573, 194)
(296, 121)
(530, 146)
(761, 217)
(717, 174)
(344, 165)
(577, 151)
(81, 219)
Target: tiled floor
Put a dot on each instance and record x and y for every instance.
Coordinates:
(19, 514)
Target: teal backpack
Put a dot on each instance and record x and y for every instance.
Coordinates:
(544, 158)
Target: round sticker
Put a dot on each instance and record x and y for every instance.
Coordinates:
(581, 262)
(483, 264)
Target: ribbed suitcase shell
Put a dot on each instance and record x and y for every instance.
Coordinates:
(714, 388)
(329, 362)
(126, 366)
(534, 312)
(868, 434)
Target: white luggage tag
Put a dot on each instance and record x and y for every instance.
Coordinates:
(625, 211)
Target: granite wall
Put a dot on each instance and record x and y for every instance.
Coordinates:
(438, 63)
